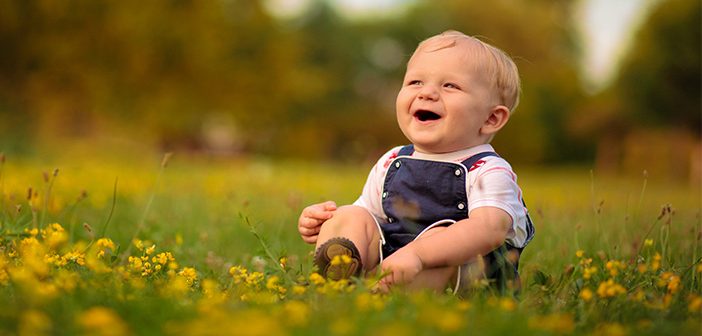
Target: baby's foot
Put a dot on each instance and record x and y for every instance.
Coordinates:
(338, 258)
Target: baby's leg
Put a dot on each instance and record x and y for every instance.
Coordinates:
(437, 279)
(358, 226)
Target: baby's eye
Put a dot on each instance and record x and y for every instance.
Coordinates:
(414, 82)
(451, 86)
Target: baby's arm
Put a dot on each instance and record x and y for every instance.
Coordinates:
(485, 230)
(312, 218)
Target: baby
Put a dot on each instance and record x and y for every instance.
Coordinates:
(447, 204)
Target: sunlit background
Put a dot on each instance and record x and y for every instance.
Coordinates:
(611, 85)
(155, 156)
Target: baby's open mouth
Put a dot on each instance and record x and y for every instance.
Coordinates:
(424, 115)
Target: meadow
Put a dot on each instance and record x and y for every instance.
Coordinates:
(143, 244)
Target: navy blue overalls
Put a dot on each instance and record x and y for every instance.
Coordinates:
(417, 193)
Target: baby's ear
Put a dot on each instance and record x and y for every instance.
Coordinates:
(496, 120)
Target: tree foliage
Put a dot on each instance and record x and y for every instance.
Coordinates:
(660, 77)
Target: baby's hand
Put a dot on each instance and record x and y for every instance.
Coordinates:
(312, 218)
(400, 268)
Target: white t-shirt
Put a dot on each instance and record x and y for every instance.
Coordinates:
(490, 182)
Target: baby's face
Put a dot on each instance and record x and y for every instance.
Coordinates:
(445, 100)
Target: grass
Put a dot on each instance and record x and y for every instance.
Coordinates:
(611, 255)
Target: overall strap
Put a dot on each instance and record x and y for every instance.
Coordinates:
(406, 150)
(469, 162)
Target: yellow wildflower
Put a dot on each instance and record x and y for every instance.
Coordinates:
(613, 266)
(589, 271)
(609, 289)
(656, 263)
(463, 305)
(579, 253)
(296, 312)
(586, 294)
(639, 296)
(611, 329)
(76, 257)
(135, 263)
(34, 322)
(66, 280)
(507, 304)
(317, 279)
(55, 259)
(150, 250)
(671, 281)
(104, 244)
(102, 321)
(54, 236)
(163, 258)
(254, 279)
(237, 270)
(32, 232)
(299, 290)
(210, 288)
(667, 299)
(272, 283)
(139, 244)
(238, 273)
(648, 242)
(558, 323)
(340, 285)
(695, 303)
(346, 259)
(449, 322)
(642, 268)
(146, 269)
(368, 301)
(29, 243)
(283, 261)
(176, 287)
(189, 274)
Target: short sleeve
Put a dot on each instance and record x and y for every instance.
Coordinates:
(371, 196)
(494, 184)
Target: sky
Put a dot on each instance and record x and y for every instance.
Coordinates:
(607, 26)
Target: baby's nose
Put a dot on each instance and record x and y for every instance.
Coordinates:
(428, 92)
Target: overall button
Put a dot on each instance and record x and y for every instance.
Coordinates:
(397, 164)
(461, 206)
(458, 172)
(385, 194)
(390, 220)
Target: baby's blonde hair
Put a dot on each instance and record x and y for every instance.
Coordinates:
(497, 65)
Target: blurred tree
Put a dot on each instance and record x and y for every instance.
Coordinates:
(77, 68)
(652, 109)
(660, 77)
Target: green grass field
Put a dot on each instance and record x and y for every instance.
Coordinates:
(204, 246)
